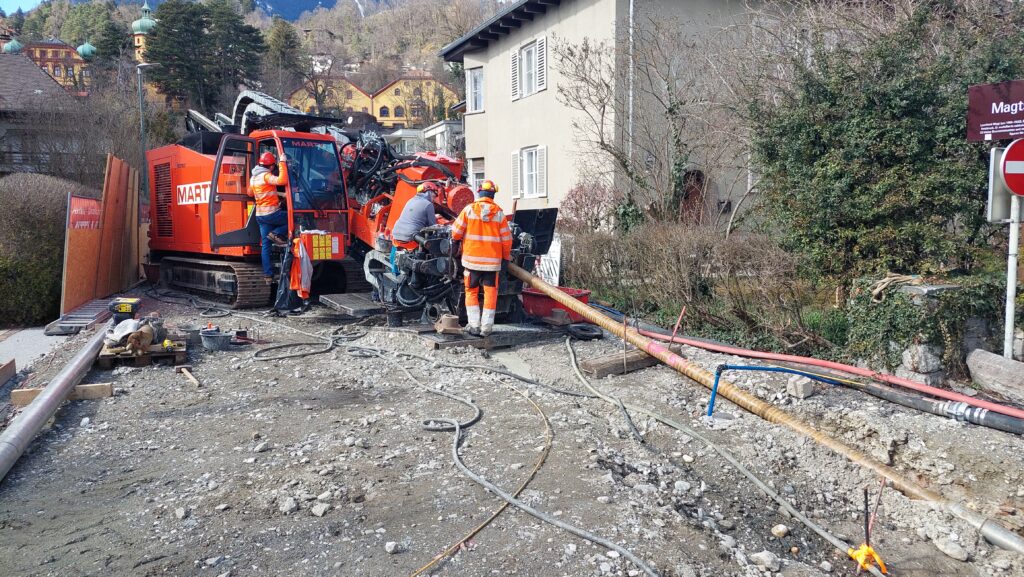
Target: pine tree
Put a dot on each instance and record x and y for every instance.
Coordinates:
(85, 22)
(186, 60)
(202, 50)
(17, 21)
(111, 41)
(283, 60)
(237, 45)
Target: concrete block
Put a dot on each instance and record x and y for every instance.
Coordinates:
(933, 379)
(923, 358)
(997, 373)
(800, 387)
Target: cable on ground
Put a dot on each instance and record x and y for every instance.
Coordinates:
(839, 544)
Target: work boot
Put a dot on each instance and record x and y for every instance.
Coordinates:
(276, 240)
(473, 320)
(487, 322)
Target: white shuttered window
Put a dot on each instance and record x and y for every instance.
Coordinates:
(475, 90)
(530, 172)
(529, 69)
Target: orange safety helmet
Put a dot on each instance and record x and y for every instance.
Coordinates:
(268, 159)
(487, 187)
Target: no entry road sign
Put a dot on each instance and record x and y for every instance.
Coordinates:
(1013, 167)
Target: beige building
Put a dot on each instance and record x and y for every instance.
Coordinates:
(517, 131)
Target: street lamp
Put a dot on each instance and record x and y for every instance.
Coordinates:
(142, 125)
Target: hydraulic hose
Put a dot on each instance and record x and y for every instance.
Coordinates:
(990, 529)
(849, 369)
(952, 409)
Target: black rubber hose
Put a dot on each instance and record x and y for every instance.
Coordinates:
(952, 409)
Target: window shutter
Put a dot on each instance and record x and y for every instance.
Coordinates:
(516, 192)
(469, 92)
(542, 171)
(542, 63)
(515, 75)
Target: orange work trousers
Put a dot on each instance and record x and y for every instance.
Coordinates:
(473, 280)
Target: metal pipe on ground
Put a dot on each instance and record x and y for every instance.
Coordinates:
(19, 434)
(990, 529)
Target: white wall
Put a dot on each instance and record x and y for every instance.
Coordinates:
(536, 120)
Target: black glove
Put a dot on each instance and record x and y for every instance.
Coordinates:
(504, 265)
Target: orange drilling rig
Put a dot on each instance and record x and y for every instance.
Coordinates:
(345, 192)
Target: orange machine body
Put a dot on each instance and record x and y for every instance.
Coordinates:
(375, 218)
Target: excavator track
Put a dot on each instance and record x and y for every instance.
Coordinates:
(238, 285)
(355, 277)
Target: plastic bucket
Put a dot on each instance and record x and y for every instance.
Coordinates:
(540, 305)
(215, 340)
(191, 333)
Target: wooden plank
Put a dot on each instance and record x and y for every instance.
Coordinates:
(81, 265)
(22, 397)
(107, 225)
(7, 371)
(612, 364)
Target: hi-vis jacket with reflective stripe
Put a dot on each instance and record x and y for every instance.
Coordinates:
(263, 187)
(485, 236)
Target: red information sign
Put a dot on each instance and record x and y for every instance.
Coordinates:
(1012, 167)
(84, 212)
(995, 111)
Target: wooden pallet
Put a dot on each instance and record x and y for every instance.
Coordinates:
(116, 356)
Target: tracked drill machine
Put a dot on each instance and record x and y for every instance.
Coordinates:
(346, 191)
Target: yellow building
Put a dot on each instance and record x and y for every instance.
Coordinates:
(406, 102)
(62, 62)
(413, 101)
(339, 95)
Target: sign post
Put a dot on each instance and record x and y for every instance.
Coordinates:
(1012, 169)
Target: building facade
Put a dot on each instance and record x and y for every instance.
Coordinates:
(62, 62)
(518, 131)
(340, 95)
(410, 101)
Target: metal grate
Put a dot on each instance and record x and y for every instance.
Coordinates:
(164, 197)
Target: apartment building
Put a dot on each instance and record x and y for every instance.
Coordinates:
(517, 132)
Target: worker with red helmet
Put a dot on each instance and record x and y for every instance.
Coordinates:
(486, 247)
(417, 214)
(266, 177)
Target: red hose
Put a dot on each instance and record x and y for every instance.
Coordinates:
(891, 379)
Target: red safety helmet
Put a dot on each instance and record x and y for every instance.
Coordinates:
(487, 187)
(268, 159)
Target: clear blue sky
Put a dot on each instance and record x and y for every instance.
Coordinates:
(10, 6)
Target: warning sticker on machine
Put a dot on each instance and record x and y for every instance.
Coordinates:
(195, 193)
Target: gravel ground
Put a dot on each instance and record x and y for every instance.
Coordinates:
(320, 466)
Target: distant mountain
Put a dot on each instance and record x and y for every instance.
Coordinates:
(292, 9)
(287, 9)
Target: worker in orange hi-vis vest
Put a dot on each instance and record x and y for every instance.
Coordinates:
(272, 219)
(486, 248)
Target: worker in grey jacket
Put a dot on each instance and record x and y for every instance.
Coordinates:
(417, 214)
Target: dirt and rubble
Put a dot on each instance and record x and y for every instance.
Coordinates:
(320, 466)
